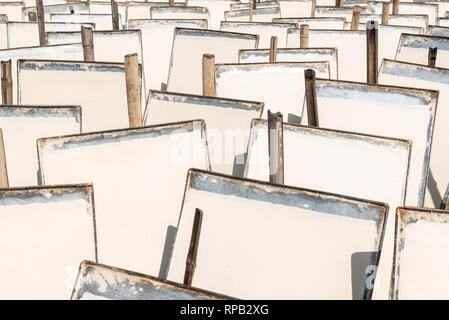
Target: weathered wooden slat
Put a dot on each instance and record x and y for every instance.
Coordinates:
(371, 52)
(311, 101)
(41, 23)
(87, 40)
(209, 75)
(193, 248)
(304, 36)
(273, 48)
(133, 90)
(6, 82)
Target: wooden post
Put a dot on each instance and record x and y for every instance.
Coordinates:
(115, 21)
(311, 101)
(133, 90)
(371, 52)
(171, 3)
(304, 36)
(4, 183)
(41, 23)
(87, 39)
(395, 6)
(432, 57)
(385, 13)
(209, 75)
(313, 8)
(32, 16)
(276, 147)
(252, 4)
(356, 18)
(193, 247)
(340, 3)
(6, 82)
(273, 48)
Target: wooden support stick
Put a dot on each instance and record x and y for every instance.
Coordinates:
(340, 3)
(87, 39)
(311, 101)
(356, 18)
(276, 147)
(6, 82)
(385, 13)
(395, 6)
(371, 52)
(304, 36)
(4, 183)
(273, 48)
(252, 4)
(193, 248)
(171, 3)
(41, 23)
(115, 21)
(133, 90)
(432, 58)
(313, 8)
(32, 16)
(209, 75)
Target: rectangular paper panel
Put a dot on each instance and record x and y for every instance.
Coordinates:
(431, 10)
(378, 110)
(80, 7)
(415, 49)
(105, 43)
(296, 8)
(259, 5)
(332, 23)
(157, 57)
(45, 233)
(189, 45)
(102, 21)
(356, 159)
(444, 22)
(26, 34)
(339, 12)
(141, 10)
(100, 88)
(420, 21)
(216, 9)
(421, 256)
(138, 176)
(438, 31)
(106, 48)
(101, 282)
(264, 30)
(22, 126)
(259, 15)
(443, 5)
(104, 7)
(416, 76)
(67, 51)
(201, 13)
(351, 46)
(280, 86)
(227, 121)
(294, 55)
(13, 10)
(264, 230)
